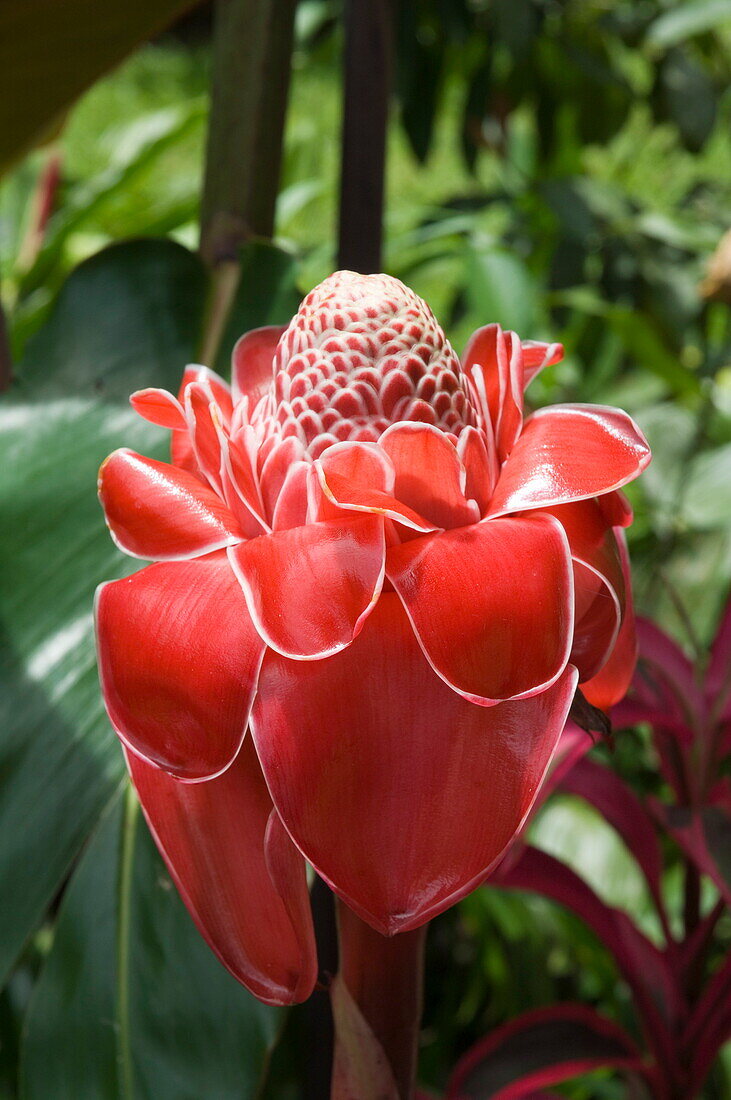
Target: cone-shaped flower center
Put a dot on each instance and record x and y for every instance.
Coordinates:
(363, 352)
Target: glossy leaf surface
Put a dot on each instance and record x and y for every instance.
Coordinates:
(124, 1016)
(59, 760)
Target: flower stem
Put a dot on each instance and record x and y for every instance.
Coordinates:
(368, 49)
(385, 977)
(252, 47)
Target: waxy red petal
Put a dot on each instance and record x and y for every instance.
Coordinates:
(252, 364)
(181, 444)
(363, 465)
(598, 615)
(342, 494)
(400, 792)
(291, 507)
(491, 604)
(430, 477)
(219, 389)
(239, 485)
(481, 472)
(274, 471)
(592, 540)
(204, 425)
(159, 407)
(610, 685)
(160, 512)
(616, 508)
(178, 661)
(309, 589)
(536, 356)
(570, 452)
(358, 477)
(212, 837)
(498, 357)
(599, 583)
(181, 452)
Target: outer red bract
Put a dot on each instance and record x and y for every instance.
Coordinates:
(368, 548)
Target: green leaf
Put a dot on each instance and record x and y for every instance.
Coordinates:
(687, 19)
(707, 496)
(500, 288)
(670, 429)
(51, 52)
(76, 989)
(129, 317)
(360, 1065)
(137, 147)
(689, 98)
(421, 56)
(131, 1003)
(577, 834)
(639, 336)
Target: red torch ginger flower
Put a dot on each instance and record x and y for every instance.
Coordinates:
(375, 589)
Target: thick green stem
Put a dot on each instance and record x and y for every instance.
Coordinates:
(252, 46)
(130, 816)
(269, 145)
(385, 977)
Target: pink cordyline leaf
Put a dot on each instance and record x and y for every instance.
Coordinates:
(710, 1025)
(668, 684)
(647, 972)
(622, 809)
(718, 676)
(704, 834)
(544, 1047)
(362, 545)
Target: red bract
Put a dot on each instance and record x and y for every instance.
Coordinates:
(368, 557)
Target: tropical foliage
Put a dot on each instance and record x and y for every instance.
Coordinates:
(560, 168)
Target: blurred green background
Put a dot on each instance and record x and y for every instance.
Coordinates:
(562, 168)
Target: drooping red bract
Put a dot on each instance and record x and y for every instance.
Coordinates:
(366, 556)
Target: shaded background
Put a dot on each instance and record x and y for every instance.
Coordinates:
(562, 168)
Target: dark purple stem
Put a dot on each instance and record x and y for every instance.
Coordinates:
(368, 48)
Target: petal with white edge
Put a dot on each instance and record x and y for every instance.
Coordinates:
(160, 512)
(309, 589)
(179, 660)
(217, 844)
(397, 790)
(491, 605)
(570, 452)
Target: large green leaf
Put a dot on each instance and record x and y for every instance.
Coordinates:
(129, 317)
(687, 19)
(131, 1003)
(50, 52)
(707, 499)
(500, 288)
